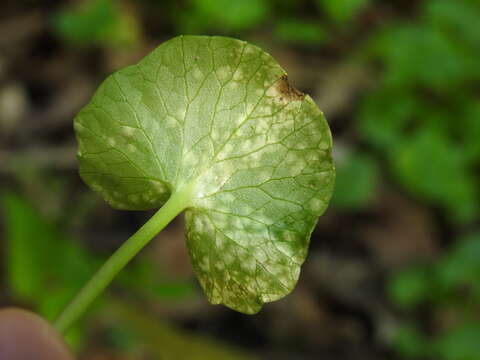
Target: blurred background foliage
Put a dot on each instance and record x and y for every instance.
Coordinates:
(394, 269)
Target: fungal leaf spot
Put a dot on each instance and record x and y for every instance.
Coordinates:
(286, 91)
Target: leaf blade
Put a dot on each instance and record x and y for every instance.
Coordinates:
(216, 114)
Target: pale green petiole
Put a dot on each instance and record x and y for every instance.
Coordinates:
(102, 278)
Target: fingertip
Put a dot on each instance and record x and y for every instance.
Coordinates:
(26, 336)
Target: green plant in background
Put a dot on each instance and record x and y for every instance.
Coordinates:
(223, 15)
(285, 19)
(302, 32)
(210, 125)
(424, 115)
(33, 244)
(97, 22)
(342, 11)
(451, 287)
(112, 23)
(357, 178)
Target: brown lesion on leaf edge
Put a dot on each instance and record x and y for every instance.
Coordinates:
(287, 92)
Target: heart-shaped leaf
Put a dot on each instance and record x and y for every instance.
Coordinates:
(216, 119)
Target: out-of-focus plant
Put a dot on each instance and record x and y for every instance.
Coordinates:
(451, 287)
(163, 341)
(286, 21)
(34, 243)
(357, 180)
(223, 15)
(300, 32)
(97, 22)
(424, 115)
(111, 23)
(342, 11)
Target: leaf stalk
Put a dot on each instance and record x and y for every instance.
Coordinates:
(177, 202)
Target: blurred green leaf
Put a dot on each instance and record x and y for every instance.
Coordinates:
(433, 168)
(410, 342)
(174, 290)
(225, 15)
(457, 18)
(342, 10)
(461, 265)
(419, 55)
(385, 115)
(423, 115)
(122, 338)
(357, 178)
(44, 268)
(412, 286)
(426, 118)
(96, 22)
(168, 342)
(471, 128)
(300, 32)
(443, 284)
(462, 343)
(143, 277)
(30, 243)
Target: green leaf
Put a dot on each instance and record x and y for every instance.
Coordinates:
(164, 341)
(460, 343)
(300, 32)
(96, 22)
(431, 166)
(358, 175)
(411, 286)
(460, 266)
(29, 239)
(33, 243)
(227, 15)
(385, 115)
(342, 10)
(456, 17)
(410, 342)
(416, 55)
(215, 119)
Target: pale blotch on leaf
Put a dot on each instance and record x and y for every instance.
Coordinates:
(216, 118)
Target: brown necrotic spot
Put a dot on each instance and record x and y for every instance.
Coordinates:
(287, 92)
